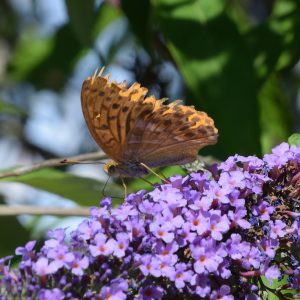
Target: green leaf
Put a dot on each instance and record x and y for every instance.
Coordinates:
(215, 64)
(273, 285)
(47, 63)
(82, 18)
(287, 24)
(237, 13)
(275, 118)
(12, 235)
(200, 11)
(294, 139)
(53, 63)
(275, 45)
(30, 51)
(85, 191)
(272, 296)
(139, 22)
(11, 109)
(105, 15)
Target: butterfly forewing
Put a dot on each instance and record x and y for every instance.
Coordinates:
(95, 101)
(110, 111)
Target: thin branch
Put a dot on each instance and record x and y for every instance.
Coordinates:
(55, 162)
(16, 210)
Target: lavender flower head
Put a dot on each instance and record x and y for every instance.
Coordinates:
(220, 234)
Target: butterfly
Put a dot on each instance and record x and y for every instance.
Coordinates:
(140, 132)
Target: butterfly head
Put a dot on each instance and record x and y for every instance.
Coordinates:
(130, 169)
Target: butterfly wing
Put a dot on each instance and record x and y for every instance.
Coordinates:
(170, 134)
(110, 111)
(132, 128)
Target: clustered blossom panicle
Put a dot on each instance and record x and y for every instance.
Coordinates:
(217, 234)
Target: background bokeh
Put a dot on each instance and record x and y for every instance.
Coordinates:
(237, 60)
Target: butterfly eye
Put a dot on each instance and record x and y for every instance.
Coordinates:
(111, 170)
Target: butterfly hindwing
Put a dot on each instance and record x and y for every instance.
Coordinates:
(173, 134)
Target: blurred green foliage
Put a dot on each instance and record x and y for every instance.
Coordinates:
(294, 139)
(236, 59)
(85, 191)
(231, 67)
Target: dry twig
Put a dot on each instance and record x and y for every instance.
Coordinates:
(15, 210)
(54, 162)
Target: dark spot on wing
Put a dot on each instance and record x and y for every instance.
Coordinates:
(178, 115)
(104, 107)
(104, 127)
(189, 134)
(184, 128)
(202, 130)
(155, 121)
(110, 141)
(167, 122)
(146, 112)
(115, 106)
(127, 126)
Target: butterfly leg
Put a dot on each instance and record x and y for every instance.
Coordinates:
(103, 190)
(154, 173)
(104, 187)
(125, 187)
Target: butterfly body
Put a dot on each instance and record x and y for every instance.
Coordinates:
(133, 129)
(126, 169)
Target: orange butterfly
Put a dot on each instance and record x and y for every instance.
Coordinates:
(138, 132)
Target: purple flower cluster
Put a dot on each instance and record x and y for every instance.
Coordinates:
(217, 234)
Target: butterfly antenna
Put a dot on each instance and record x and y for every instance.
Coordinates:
(154, 173)
(78, 162)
